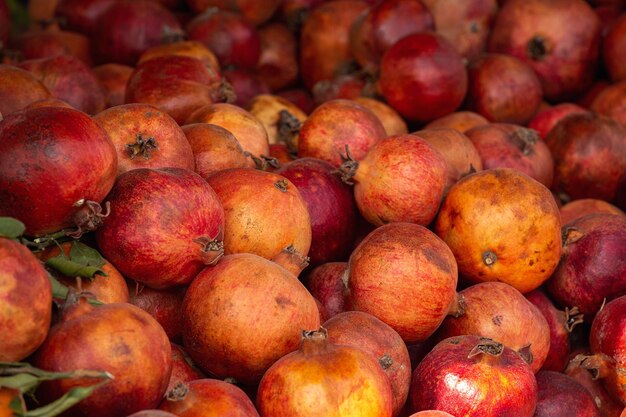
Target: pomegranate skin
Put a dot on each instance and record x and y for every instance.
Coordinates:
(325, 283)
(460, 378)
(178, 237)
(561, 395)
(32, 145)
(18, 89)
(610, 102)
(25, 301)
(544, 120)
(164, 305)
(183, 370)
(578, 208)
(331, 207)
(614, 49)
(592, 267)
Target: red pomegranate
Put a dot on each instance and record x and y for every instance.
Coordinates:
(218, 315)
(113, 78)
(578, 208)
(191, 49)
(120, 339)
(281, 118)
(592, 269)
(462, 121)
(183, 370)
(254, 11)
(321, 378)
(278, 62)
(164, 305)
(18, 89)
(300, 97)
(52, 41)
(246, 84)
(503, 89)
(544, 120)
(366, 332)
(404, 275)
(178, 236)
(32, 144)
(208, 398)
(610, 102)
(561, 324)
(346, 86)
(613, 49)
(145, 137)
(325, 283)
(560, 394)
(559, 39)
(152, 413)
(393, 123)
(336, 124)
(425, 413)
(474, 377)
(331, 208)
(26, 298)
(82, 15)
(401, 178)
(505, 145)
(427, 65)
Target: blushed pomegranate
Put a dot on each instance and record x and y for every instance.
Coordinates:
(406, 276)
(18, 89)
(393, 123)
(325, 283)
(53, 41)
(191, 49)
(607, 406)
(544, 120)
(217, 316)
(578, 208)
(322, 377)
(178, 237)
(245, 83)
(82, 15)
(610, 102)
(162, 304)
(113, 78)
(474, 377)
(278, 62)
(255, 12)
(560, 394)
(183, 370)
(462, 121)
(32, 145)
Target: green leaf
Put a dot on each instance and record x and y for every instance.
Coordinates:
(22, 382)
(58, 290)
(68, 400)
(84, 262)
(11, 228)
(85, 255)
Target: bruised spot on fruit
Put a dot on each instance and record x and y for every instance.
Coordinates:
(385, 361)
(284, 301)
(537, 48)
(281, 185)
(497, 320)
(454, 341)
(436, 259)
(121, 349)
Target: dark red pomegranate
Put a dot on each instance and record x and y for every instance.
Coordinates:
(561, 395)
(406, 276)
(366, 332)
(164, 305)
(505, 145)
(120, 339)
(611, 102)
(331, 208)
(401, 178)
(589, 154)
(503, 89)
(592, 267)
(228, 35)
(544, 120)
(256, 12)
(178, 236)
(52, 41)
(82, 15)
(427, 65)
(346, 86)
(300, 97)
(325, 283)
(54, 154)
(559, 39)
(561, 324)
(183, 369)
(26, 299)
(614, 49)
(473, 376)
(113, 78)
(278, 61)
(129, 27)
(246, 84)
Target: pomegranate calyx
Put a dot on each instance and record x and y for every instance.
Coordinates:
(458, 306)
(348, 167)
(385, 361)
(527, 139)
(178, 393)
(314, 341)
(487, 346)
(263, 162)
(282, 185)
(489, 258)
(537, 48)
(211, 247)
(89, 217)
(573, 317)
(599, 365)
(526, 354)
(288, 127)
(571, 235)
(223, 92)
(142, 146)
(292, 260)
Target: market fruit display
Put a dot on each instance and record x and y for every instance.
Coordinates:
(389, 208)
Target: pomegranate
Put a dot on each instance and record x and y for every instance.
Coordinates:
(228, 35)
(145, 137)
(325, 282)
(281, 118)
(578, 208)
(559, 39)
(427, 65)
(18, 89)
(164, 305)
(608, 344)
(505, 145)
(82, 15)
(113, 78)
(392, 122)
(217, 313)
(590, 94)
(120, 339)
(498, 311)
(366, 332)
(331, 208)
(560, 394)
(264, 212)
(404, 275)
(245, 83)
(183, 370)
(48, 102)
(346, 86)
(129, 27)
(52, 41)
(295, 12)
(255, 12)
(321, 378)
(610, 102)
(592, 268)
(502, 88)
(561, 324)
(475, 221)
(466, 24)
(214, 148)
(459, 152)
(277, 66)
(191, 49)
(544, 120)
(385, 23)
(208, 398)
(26, 299)
(613, 47)
(460, 120)
(152, 413)
(401, 178)
(32, 144)
(336, 124)
(426, 413)
(325, 40)
(475, 377)
(178, 237)
(300, 97)
(607, 406)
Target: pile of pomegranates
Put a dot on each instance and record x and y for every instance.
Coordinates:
(385, 208)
